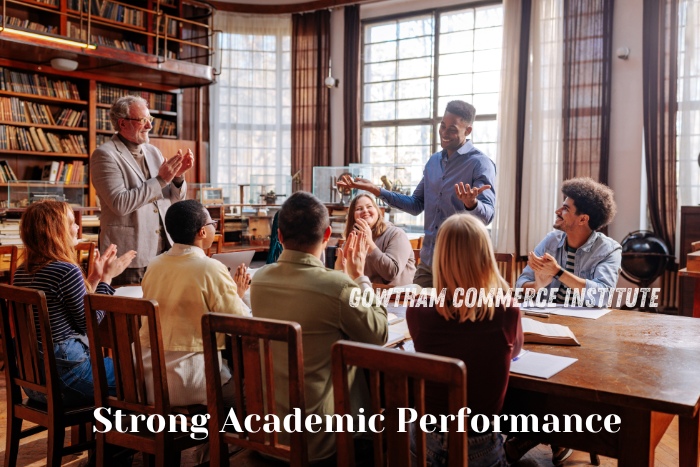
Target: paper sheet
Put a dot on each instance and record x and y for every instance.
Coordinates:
(131, 291)
(572, 311)
(539, 365)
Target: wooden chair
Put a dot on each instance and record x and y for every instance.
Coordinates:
(506, 265)
(27, 367)
(8, 256)
(11, 263)
(416, 254)
(85, 252)
(119, 331)
(250, 343)
(216, 247)
(404, 375)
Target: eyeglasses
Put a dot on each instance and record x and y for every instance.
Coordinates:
(142, 120)
(214, 223)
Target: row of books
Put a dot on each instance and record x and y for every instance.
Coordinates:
(13, 109)
(160, 127)
(163, 127)
(9, 233)
(164, 102)
(33, 83)
(18, 23)
(71, 172)
(110, 10)
(34, 139)
(6, 173)
(71, 117)
(172, 26)
(75, 32)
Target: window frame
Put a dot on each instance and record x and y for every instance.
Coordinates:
(435, 120)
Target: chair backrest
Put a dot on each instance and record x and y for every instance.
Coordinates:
(416, 255)
(250, 340)
(215, 247)
(85, 254)
(506, 266)
(11, 251)
(404, 375)
(119, 331)
(26, 366)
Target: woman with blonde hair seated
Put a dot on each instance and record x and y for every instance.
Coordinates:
(390, 257)
(49, 233)
(484, 337)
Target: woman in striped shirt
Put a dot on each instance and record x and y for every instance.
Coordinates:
(49, 233)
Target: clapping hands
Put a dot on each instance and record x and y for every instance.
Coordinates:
(107, 266)
(351, 257)
(242, 279)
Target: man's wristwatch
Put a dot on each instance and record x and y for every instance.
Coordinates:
(558, 275)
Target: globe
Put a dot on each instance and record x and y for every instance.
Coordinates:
(644, 257)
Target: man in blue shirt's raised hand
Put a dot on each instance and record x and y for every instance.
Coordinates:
(460, 178)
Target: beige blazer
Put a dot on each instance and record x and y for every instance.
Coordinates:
(133, 208)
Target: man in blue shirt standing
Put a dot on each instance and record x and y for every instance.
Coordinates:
(460, 178)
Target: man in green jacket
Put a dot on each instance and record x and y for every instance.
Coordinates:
(299, 288)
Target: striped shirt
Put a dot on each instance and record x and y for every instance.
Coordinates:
(64, 287)
(570, 261)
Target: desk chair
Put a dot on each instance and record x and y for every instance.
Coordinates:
(506, 266)
(403, 374)
(119, 331)
(85, 252)
(27, 367)
(252, 361)
(216, 247)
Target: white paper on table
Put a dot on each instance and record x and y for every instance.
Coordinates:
(539, 365)
(131, 291)
(571, 311)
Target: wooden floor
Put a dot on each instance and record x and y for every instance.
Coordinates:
(32, 451)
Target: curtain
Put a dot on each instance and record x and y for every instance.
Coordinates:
(506, 222)
(310, 97)
(351, 86)
(250, 111)
(688, 118)
(542, 150)
(659, 74)
(587, 83)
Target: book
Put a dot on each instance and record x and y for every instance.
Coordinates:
(537, 332)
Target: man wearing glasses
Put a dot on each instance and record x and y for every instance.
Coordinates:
(136, 186)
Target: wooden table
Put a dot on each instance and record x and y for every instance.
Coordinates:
(643, 367)
(696, 295)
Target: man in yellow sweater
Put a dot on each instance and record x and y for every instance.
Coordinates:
(186, 283)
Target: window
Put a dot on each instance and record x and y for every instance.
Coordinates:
(251, 104)
(413, 66)
(688, 116)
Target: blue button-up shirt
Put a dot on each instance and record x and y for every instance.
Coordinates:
(597, 261)
(436, 191)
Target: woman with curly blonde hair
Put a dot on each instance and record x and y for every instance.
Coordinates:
(485, 337)
(49, 233)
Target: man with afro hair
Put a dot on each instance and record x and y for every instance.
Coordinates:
(576, 255)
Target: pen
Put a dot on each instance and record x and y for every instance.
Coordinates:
(534, 313)
(520, 355)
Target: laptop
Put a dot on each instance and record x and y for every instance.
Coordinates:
(234, 259)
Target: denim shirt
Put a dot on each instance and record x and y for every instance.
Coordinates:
(597, 260)
(436, 191)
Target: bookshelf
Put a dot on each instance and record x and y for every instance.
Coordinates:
(43, 129)
(162, 106)
(49, 125)
(53, 117)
